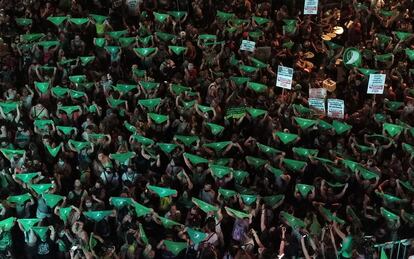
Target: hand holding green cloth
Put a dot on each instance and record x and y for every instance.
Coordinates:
(158, 118)
(53, 151)
(410, 54)
(19, 199)
(257, 87)
(224, 17)
(305, 123)
(204, 206)
(384, 57)
(97, 215)
(42, 86)
(392, 129)
(52, 199)
(330, 216)
(143, 140)
(142, 234)
(131, 128)
(161, 191)
(23, 21)
(285, 137)
(56, 20)
(123, 158)
(148, 85)
(392, 105)
(151, 104)
(352, 165)
(117, 34)
(99, 42)
(259, 64)
(305, 152)
(165, 36)
(145, 52)
(294, 165)
(42, 124)
(255, 162)
(161, 17)
(79, 21)
(226, 193)
(167, 147)
(260, 20)
(235, 112)
(254, 112)
(240, 175)
(178, 50)
(126, 41)
(69, 109)
(239, 80)
(292, 221)
(196, 236)
(215, 128)
(41, 188)
(207, 37)
(388, 198)
(275, 171)
(248, 199)
(204, 108)
(141, 210)
(219, 170)
(168, 223)
(8, 153)
(194, 159)
(273, 200)
(175, 247)
(100, 19)
(145, 40)
(26, 177)
(48, 44)
(120, 202)
(407, 185)
(268, 149)
(304, 189)
(7, 224)
(388, 215)
(187, 140)
(177, 14)
(217, 146)
(341, 127)
(64, 213)
(85, 60)
(366, 174)
(79, 145)
(114, 103)
(60, 91)
(77, 79)
(236, 213)
(27, 224)
(383, 39)
(367, 71)
(9, 106)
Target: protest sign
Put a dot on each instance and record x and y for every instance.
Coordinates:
(284, 77)
(248, 45)
(310, 7)
(317, 93)
(318, 104)
(336, 108)
(376, 84)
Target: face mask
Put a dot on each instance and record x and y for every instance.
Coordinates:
(61, 163)
(88, 204)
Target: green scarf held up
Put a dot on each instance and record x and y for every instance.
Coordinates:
(383, 39)
(384, 57)
(149, 85)
(261, 20)
(273, 200)
(255, 162)
(304, 189)
(77, 94)
(120, 202)
(305, 152)
(151, 104)
(351, 165)
(178, 50)
(56, 20)
(41, 188)
(23, 21)
(64, 213)
(275, 171)
(331, 217)
(43, 124)
(7, 224)
(145, 40)
(366, 174)
(141, 210)
(223, 16)
(158, 118)
(294, 165)
(203, 108)
(43, 87)
(86, 60)
(219, 171)
(161, 191)
(52, 199)
(32, 37)
(247, 69)
(100, 19)
(143, 140)
(79, 145)
(367, 71)
(60, 92)
(178, 89)
(259, 64)
(388, 215)
(239, 80)
(402, 36)
(66, 130)
(215, 128)
(407, 185)
(410, 54)
(305, 123)
(389, 198)
(392, 129)
(257, 87)
(41, 232)
(177, 14)
(53, 151)
(48, 44)
(114, 103)
(69, 109)
(8, 153)
(187, 140)
(19, 199)
(167, 147)
(145, 52)
(165, 36)
(299, 108)
(98, 215)
(194, 159)
(365, 149)
(226, 193)
(236, 213)
(393, 106)
(124, 88)
(123, 158)
(142, 234)
(99, 42)
(79, 21)
(196, 236)
(189, 105)
(248, 199)
(254, 112)
(77, 79)
(131, 128)
(240, 175)
(323, 125)
(175, 247)
(217, 146)
(292, 221)
(168, 223)
(9, 106)
(126, 41)
(341, 127)
(117, 34)
(161, 17)
(26, 177)
(267, 149)
(286, 138)
(207, 37)
(27, 224)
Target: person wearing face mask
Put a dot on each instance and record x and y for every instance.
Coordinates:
(91, 203)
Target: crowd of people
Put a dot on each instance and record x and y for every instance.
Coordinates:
(140, 129)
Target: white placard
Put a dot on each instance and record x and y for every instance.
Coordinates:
(336, 108)
(318, 104)
(317, 93)
(376, 84)
(248, 45)
(310, 7)
(284, 77)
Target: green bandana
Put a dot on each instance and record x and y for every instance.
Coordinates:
(142, 234)
(79, 145)
(60, 92)
(99, 42)
(178, 50)
(196, 236)
(215, 128)
(160, 17)
(7, 224)
(392, 129)
(350, 164)
(123, 158)
(97, 215)
(8, 153)
(388, 215)
(120, 202)
(217, 146)
(77, 79)
(275, 171)
(247, 69)
(167, 147)
(126, 41)
(286, 138)
(305, 123)
(113, 50)
(47, 44)
(114, 103)
(273, 200)
(165, 36)
(158, 118)
(260, 88)
(178, 89)
(100, 19)
(151, 104)
(383, 39)
(204, 206)
(27, 224)
(223, 16)
(267, 149)
(53, 151)
(145, 40)
(42, 124)
(324, 160)
(67, 130)
(248, 199)
(384, 58)
(219, 170)
(226, 193)
(175, 247)
(52, 199)
(238, 22)
(9, 106)
(402, 36)
(389, 198)
(292, 220)
(255, 162)
(367, 71)
(187, 140)
(66, 61)
(168, 223)
(294, 165)
(256, 112)
(141, 210)
(42, 86)
(144, 51)
(86, 60)
(79, 21)
(239, 176)
(131, 128)
(236, 213)
(239, 80)
(235, 113)
(32, 37)
(56, 20)
(149, 85)
(383, 255)
(340, 127)
(69, 109)
(177, 14)
(23, 21)
(331, 217)
(27, 177)
(41, 188)
(304, 189)
(365, 149)
(207, 37)
(117, 34)
(407, 185)
(261, 20)
(189, 105)
(393, 106)
(410, 54)
(256, 34)
(41, 232)
(143, 140)
(194, 159)
(305, 152)
(19, 199)
(204, 109)
(259, 64)
(366, 174)
(288, 44)
(162, 192)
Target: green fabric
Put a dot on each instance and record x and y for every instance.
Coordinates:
(260, 88)
(177, 14)
(143, 140)
(352, 57)
(238, 22)
(367, 71)
(113, 50)
(69, 109)
(42, 86)
(100, 42)
(60, 91)
(386, 13)
(8, 153)
(120, 202)
(79, 145)
(273, 200)
(53, 151)
(256, 34)
(7, 224)
(239, 80)
(114, 103)
(117, 34)
(366, 174)
(401, 35)
(407, 185)
(261, 20)
(388, 215)
(41, 188)
(294, 165)
(392, 129)
(410, 54)
(393, 106)
(160, 17)
(259, 64)
(23, 21)
(168, 223)
(219, 171)
(26, 177)
(383, 255)
(207, 37)
(304, 189)
(64, 213)
(267, 149)
(86, 60)
(384, 58)
(144, 51)
(126, 41)
(235, 112)
(161, 191)
(100, 19)
(96, 136)
(288, 44)
(151, 104)
(77, 94)
(187, 140)
(324, 160)
(223, 16)
(331, 217)
(167, 147)
(9, 106)
(365, 149)
(254, 112)
(145, 40)
(97, 215)
(32, 37)
(78, 21)
(175, 247)
(255, 162)
(275, 171)
(178, 50)
(204, 108)
(389, 198)
(301, 109)
(165, 36)
(204, 206)
(226, 193)
(67, 130)
(247, 69)
(178, 89)
(27, 224)
(248, 199)
(141, 210)
(383, 39)
(122, 158)
(240, 175)
(332, 45)
(286, 138)
(380, 117)
(19, 199)
(47, 44)
(346, 250)
(41, 232)
(41, 124)
(131, 128)
(236, 213)
(158, 118)
(194, 159)
(142, 234)
(52, 199)
(305, 152)
(149, 85)
(77, 79)
(292, 221)
(340, 127)
(196, 236)
(189, 105)
(217, 146)
(305, 123)
(350, 164)
(215, 128)
(57, 20)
